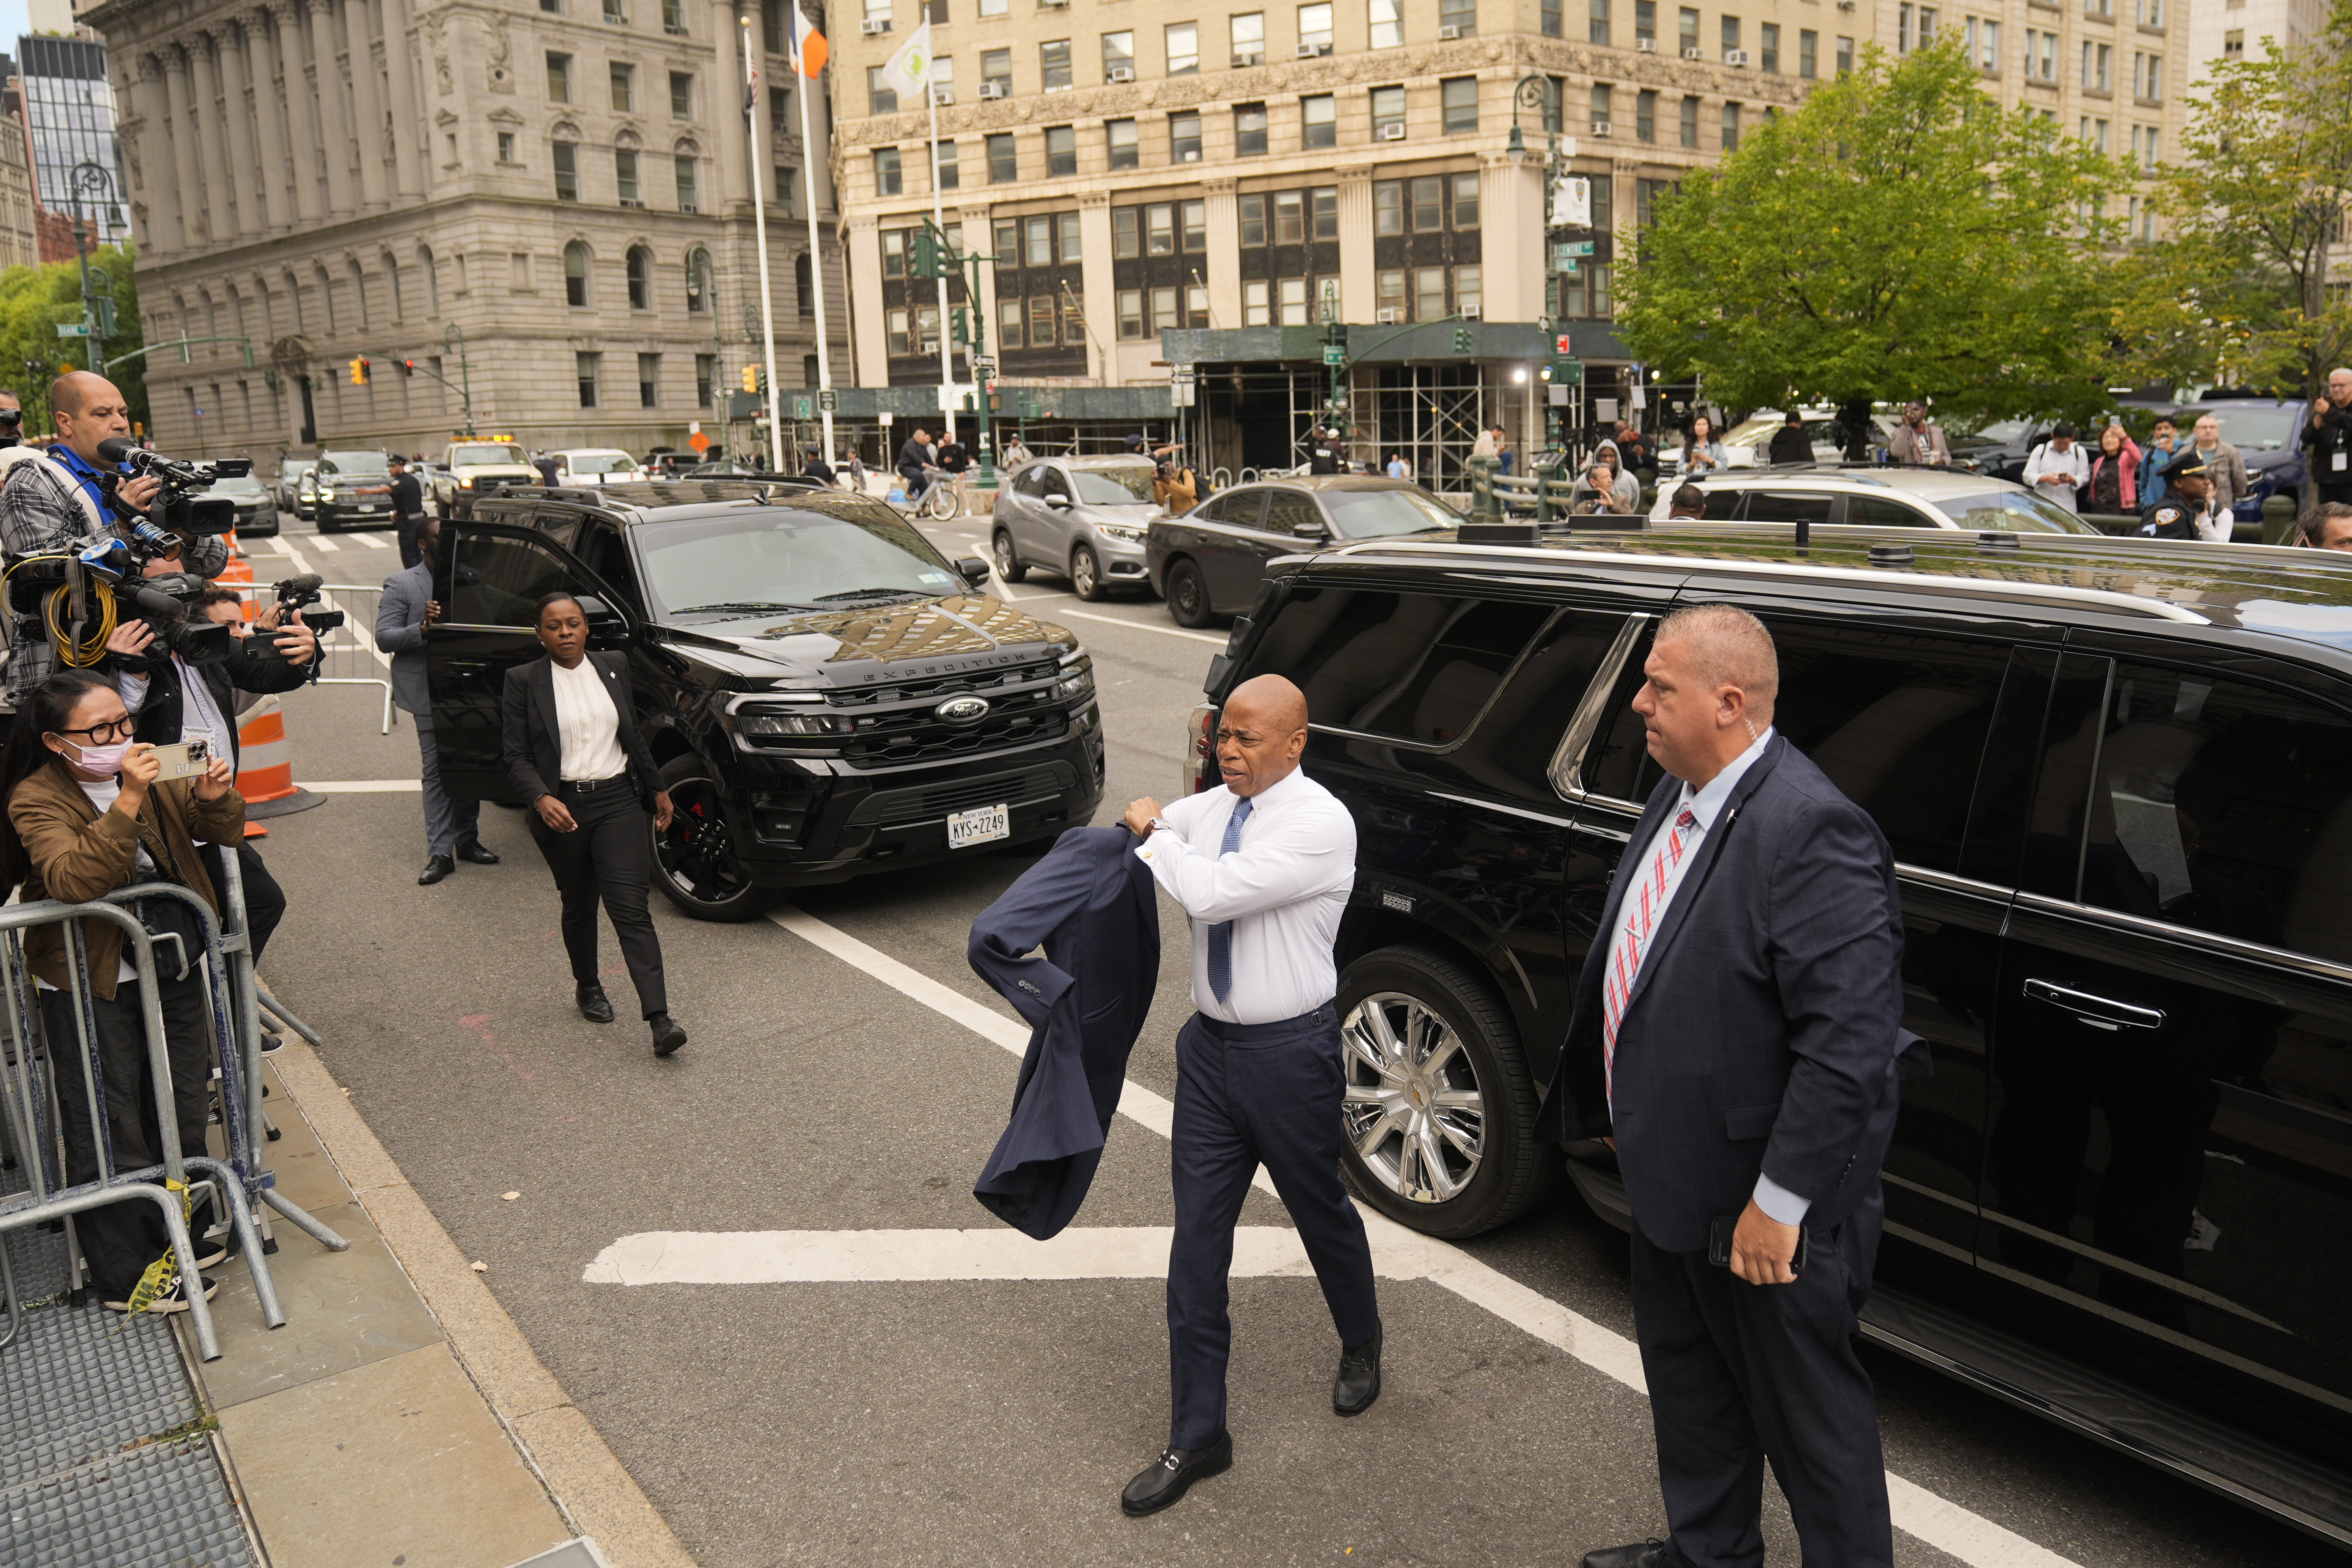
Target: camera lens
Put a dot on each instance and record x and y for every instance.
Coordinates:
(12, 416)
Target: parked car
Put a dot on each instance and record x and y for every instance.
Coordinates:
(1082, 518)
(295, 491)
(1211, 561)
(354, 491)
(471, 468)
(2268, 434)
(595, 466)
(2117, 784)
(1873, 498)
(826, 695)
(256, 509)
(1747, 443)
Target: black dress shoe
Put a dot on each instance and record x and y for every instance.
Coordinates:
(668, 1035)
(1641, 1554)
(1359, 1383)
(471, 851)
(435, 869)
(1171, 1476)
(594, 1005)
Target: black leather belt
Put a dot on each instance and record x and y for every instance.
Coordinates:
(589, 786)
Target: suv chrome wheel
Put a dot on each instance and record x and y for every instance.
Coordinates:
(1413, 1105)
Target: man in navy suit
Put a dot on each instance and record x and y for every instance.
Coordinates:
(1734, 1038)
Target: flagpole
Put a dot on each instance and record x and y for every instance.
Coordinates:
(760, 226)
(816, 250)
(939, 224)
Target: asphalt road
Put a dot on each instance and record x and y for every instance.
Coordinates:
(994, 1420)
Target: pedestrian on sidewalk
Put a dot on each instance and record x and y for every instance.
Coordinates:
(1917, 443)
(2112, 488)
(88, 812)
(1790, 446)
(453, 825)
(407, 508)
(2328, 436)
(2164, 444)
(2224, 464)
(1702, 453)
(2057, 470)
(1262, 865)
(577, 760)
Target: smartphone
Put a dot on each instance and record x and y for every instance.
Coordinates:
(185, 760)
(1719, 1243)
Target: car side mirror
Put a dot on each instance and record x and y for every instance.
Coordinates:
(1059, 503)
(973, 571)
(605, 624)
(1307, 529)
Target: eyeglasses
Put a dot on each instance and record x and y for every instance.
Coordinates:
(103, 734)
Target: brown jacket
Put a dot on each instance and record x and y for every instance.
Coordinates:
(80, 857)
(1179, 494)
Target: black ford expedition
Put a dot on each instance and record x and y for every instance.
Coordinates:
(2117, 779)
(827, 695)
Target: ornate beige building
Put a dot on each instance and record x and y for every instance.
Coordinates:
(19, 244)
(547, 204)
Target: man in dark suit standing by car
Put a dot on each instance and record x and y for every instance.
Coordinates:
(1734, 1038)
(407, 509)
(452, 826)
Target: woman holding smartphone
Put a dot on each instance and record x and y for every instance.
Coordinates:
(89, 812)
(574, 754)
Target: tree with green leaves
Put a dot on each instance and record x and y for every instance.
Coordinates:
(1900, 234)
(2237, 293)
(35, 300)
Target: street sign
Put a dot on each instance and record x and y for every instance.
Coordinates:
(1560, 345)
(72, 330)
(1577, 247)
(699, 441)
(804, 408)
(983, 366)
(824, 400)
(1335, 354)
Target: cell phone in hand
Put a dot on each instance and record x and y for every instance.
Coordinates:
(185, 760)
(1719, 1243)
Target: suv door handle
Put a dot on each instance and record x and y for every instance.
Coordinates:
(467, 665)
(2102, 1011)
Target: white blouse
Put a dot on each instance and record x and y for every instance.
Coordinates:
(586, 722)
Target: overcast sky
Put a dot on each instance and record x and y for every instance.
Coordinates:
(12, 24)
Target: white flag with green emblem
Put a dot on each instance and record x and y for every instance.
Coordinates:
(910, 69)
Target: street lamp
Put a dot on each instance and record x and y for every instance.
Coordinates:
(94, 179)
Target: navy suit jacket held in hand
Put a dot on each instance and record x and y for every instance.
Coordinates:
(1766, 1026)
(1091, 905)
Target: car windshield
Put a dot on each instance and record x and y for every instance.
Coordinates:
(1380, 514)
(782, 557)
(356, 464)
(476, 455)
(1113, 487)
(2249, 429)
(247, 486)
(2010, 512)
(598, 462)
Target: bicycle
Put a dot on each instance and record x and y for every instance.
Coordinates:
(940, 500)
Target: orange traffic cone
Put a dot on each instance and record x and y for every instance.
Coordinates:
(264, 775)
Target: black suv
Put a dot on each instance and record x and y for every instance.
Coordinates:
(2118, 780)
(827, 695)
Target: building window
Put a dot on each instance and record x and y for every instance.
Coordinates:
(993, 7)
(1003, 168)
(706, 379)
(894, 253)
(625, 177)
(1387, 108)
(1469, 296)
(1043, 311)
(1290, 218)
(881, 98)
(1248, 31)
(1462, 15)
(1429, 204)
(1252, 219)
(1131, 313)
(1605, 99)
(1323, 208)
(1596, 23)
(1428, 293)
(1645, 20)
(1389, 290)
(1119, 139)
(681, 95)
(1126, 236)
(1460, 96)
(1009, 317)
(1690, 121)
(1061, 150)
(1163, 309)
(615, 12)
(1053, 66)
(1845, 56)
(640, 269)
(1768, 47)
(559, 79)
(889, 179)
(1193, 221)
(1731, 128)
(1184, 138)
(575, 275)
(1072, 244)
(567, 172)
(1388, 207)
(506, 146)
(1160, 229)
(1548, 17)
(1730, 36)
(586, 365)
(1315, 27)
(996, 71)
(673, 17)
(1117, 54)
(1646, 115)
(1257, 303)
(1037, 242)
(1196, 305)
(688, 200)
(898, 327)
(943, 82)
(624, 82)
(1318, 121)
(1249, 129)
(1687, 23)
(1388, 24)
(1809, 49)
(1585, 293)
(649, 381)
(1292, 294)
(1183, 48)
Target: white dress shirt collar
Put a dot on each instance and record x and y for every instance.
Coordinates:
(1706, 801)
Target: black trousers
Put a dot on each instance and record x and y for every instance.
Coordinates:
(1246, 1095)
(121, 1239)
(1739, 1374)
(607, 856)
(265, 900)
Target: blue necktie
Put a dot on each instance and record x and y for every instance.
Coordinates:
(1220, 935)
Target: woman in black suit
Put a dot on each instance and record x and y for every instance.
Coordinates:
(576, 757)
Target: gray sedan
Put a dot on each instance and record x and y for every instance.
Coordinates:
(1209, 562)
(1084, 517)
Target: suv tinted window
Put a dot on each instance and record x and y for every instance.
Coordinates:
(1723, 506)
(1414, 666)
(1767, 506)
(497, 581)
(1879, 511)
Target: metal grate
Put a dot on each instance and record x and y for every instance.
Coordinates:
(76, 1389)
(167, 1504)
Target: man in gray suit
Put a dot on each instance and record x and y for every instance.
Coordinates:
(452, 827)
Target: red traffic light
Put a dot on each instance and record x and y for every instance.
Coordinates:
(408, 367)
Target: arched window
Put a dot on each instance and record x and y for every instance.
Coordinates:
(327, 300)
(641, 278)
(575, 275)
(359, 296)
(431, 279)
(294, 302)
(391, 284)
(804, 278)
(697, 280)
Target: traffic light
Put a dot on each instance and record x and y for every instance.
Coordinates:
(926, 254)
(359, 372)
(408, 367)
(750, 378)
(1464, 342)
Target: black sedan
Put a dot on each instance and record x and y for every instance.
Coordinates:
(1209, 562)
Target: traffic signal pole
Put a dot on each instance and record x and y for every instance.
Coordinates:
(760, 228)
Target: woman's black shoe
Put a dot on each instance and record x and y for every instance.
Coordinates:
(668, 1035)
(594, 1005)
(1171, 1476)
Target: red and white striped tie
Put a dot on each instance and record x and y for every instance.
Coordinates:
(1617, 989)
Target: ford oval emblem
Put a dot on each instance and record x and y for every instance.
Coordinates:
(962, 710)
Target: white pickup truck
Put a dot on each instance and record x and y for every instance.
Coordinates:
(469, 468)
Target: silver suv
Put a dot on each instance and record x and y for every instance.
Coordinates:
(1084, 517)
(1873, 498)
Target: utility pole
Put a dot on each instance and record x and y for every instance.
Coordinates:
(759, 228)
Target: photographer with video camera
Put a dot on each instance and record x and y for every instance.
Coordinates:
(72, 492)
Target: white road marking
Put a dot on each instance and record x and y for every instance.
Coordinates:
(371, 540)
(365, 786)
(320, 542)
(1012, 599)
(794, 1256)
(1917, 1512)
(276, 542)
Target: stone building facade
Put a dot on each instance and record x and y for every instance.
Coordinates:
(19, 241)
(545, 204)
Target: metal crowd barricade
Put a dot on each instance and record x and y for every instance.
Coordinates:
(348, 655)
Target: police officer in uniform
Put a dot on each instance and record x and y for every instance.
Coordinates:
(2186, 510)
